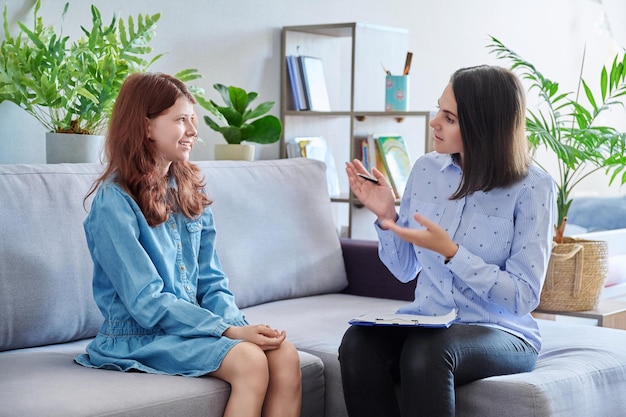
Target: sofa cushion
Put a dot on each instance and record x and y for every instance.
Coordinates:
(276, 236)
(45, 381)
(45, 267)
(578, 372)
(598, 213)
(316, 325)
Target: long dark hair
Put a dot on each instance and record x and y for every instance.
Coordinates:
(491, 109)
(133, 158)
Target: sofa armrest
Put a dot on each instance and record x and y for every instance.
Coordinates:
(368, 276)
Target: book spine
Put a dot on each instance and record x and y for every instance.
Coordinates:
(306, 95)
(292, 82)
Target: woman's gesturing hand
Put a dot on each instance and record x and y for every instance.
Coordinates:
(376, 196)
(432, 237)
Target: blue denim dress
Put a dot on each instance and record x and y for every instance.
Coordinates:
(161, 290)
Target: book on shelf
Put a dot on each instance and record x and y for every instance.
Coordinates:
(387, 153)
(315, 147)
(295, 83)
(410, 320)
(314, 82)
(395, 158)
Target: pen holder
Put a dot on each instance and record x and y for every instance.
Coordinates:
(396, 93)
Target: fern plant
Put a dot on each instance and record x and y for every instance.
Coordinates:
(566, 124)
(70, 87)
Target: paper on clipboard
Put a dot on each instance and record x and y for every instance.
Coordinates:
(410, 320)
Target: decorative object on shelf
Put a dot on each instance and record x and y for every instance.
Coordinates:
(70, 87)
(566, 125)
(396, 93)
(238, 122)
(397, 88)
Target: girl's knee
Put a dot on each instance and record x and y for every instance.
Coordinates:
(247, 361)
(284, 363)
(290, 354)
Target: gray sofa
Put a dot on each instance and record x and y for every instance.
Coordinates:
(287, 267)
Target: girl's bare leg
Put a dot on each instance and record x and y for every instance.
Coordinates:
(245, 368)
(284, 393)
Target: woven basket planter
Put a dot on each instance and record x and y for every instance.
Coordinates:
(576, 274)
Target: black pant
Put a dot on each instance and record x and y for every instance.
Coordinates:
(426, 362)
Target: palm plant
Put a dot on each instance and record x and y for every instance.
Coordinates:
(568, 126)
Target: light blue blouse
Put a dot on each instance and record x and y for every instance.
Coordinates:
(161, 290)
(504, 237)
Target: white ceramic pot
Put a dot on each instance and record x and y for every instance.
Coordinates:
(74, 148)
(226, 151)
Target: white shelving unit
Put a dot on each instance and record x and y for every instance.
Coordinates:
(353, 56)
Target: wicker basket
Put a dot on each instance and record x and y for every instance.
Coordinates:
(576, 274)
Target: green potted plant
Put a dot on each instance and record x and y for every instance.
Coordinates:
(566, 123)
(70, 87)
(238, 122)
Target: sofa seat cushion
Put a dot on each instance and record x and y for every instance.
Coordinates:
(46, 381)
(578, 372)
(316, 325)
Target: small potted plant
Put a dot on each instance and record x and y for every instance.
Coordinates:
(566, 124)
(70, 87)
(238, 123)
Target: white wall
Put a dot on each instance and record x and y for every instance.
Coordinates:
(238, 42)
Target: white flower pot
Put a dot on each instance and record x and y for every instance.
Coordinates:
(226, 151)
(74, 148)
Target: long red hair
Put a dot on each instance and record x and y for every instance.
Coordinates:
(133, 160)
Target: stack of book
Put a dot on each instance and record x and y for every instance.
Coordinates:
(308, 83)
(389, 154)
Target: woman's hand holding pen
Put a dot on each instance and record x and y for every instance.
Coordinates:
(432, 237)
(373, 192)
(261, 335)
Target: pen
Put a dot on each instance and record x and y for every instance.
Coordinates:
(407, 63)
(385, 69)
(371, 179)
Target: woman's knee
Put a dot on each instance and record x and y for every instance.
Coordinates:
(353, 341)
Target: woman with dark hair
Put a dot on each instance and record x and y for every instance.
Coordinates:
(475, 222)
(157, 277)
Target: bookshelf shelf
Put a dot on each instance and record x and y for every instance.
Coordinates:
(352, 55)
